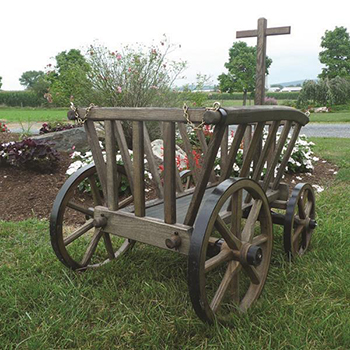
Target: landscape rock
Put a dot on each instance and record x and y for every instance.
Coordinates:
(65, 140)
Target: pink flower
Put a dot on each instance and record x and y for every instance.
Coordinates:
(119, 56)
(119, 90)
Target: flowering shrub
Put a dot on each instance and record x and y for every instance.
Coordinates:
(55, 126)
(31, 154)
(270, 101)
(133, 76)
(302, 155)
(3, 127)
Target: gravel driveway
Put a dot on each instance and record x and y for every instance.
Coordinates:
(326, 130)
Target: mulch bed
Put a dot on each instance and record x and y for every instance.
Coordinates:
(25, 193)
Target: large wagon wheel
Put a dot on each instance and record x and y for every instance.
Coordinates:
(299, 220)
(230, 250)
(76, 239)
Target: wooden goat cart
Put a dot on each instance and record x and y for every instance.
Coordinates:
(222, 223)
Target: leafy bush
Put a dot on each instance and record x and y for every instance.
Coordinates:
(21, 99)
(30, 154)
(3, 127)
(56, 126)
(324, 92)
(239, 96)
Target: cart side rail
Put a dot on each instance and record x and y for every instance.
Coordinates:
(277, 121)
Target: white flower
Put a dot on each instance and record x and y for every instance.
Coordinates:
(318, 188)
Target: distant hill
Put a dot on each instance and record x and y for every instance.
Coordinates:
(293, 83)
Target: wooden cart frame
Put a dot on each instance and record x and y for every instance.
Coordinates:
(222, 223)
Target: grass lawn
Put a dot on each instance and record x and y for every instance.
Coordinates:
(141, 301)
(15, 115)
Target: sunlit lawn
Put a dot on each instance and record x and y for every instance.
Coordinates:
(142, 302)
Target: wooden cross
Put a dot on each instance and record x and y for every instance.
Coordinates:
(262, 32)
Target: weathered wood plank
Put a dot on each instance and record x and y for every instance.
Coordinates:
(226, 173)
(204, 175)
(112, 180)
(97, 154)
(189, 151)
(124, 151)
(139, 169)
(169, 173)
(152, 164)
(204, 148)
(224, 150)
(256, 139)
(269, 31)
(278, 150)
(286, 156)
(146, 230)
(151, 114)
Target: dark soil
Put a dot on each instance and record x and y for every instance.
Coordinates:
(25, 193)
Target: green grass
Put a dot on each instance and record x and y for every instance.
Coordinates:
(337, 117)
(15, 115)
(141, 301)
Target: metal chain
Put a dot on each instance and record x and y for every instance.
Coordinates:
(80, 120)
(216, 107)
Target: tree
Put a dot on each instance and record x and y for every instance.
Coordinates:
(0, 82)
(30, 78)
(241, 69)
(336, 53)
(69, 79)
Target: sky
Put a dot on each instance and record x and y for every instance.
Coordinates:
(34, 32)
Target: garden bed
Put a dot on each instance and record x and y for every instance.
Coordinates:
(26, 193)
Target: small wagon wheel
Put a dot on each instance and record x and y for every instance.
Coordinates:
(187, 179)
(299, 220)
(75, 237)
(230, 250)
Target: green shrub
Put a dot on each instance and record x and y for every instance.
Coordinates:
(239, 96)
(21, 99)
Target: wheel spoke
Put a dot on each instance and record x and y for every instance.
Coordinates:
(79, 232)
(80, 208)
(259, 240)
(217, 260)
(232, 268)
(108, 245)
(92, 247)
(236, 216)
(248, 231)
(301, 209)
(297, 233)
(252, 273)
(232, 241)
(308, 208)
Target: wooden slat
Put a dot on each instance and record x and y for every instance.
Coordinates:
(152, 164)
(266, 150)
(278, 150)
(204, 175)
(112, 176)
(256, 139)
(287, 155)
(139, 169)
(97, 154)
(269, 31)
(246, 140)
(146, 230)
(189, 151)
(225, 173)
(224, 150)
(169, 173)
(197, 115)
(124, 151)
(204, 148)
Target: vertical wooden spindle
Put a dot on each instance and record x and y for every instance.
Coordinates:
(139, 168)
(169, 173)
